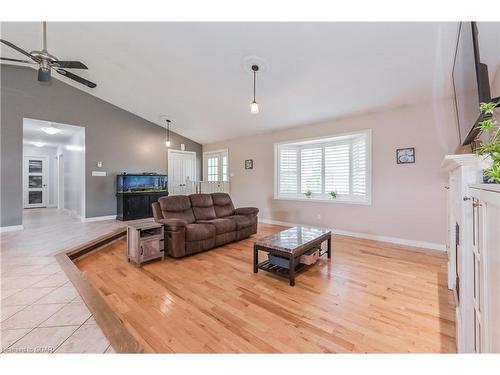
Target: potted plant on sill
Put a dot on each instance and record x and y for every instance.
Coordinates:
(308, 193)
(333, 194)
(491, 148)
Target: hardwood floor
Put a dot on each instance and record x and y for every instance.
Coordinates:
(371, 297)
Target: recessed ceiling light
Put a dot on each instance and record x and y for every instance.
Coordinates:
(74, 148)
(51, 130)
(38, 144)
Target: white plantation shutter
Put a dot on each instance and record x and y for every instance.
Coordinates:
(288, 165)
(337, 169)
(359, 167)
(310, 170)
(337, 164)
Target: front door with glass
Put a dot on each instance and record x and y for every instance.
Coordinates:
(35, 181)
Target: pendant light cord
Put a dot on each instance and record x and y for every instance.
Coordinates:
(168, 130)
(254, 85)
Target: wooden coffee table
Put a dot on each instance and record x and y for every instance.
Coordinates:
(291, 244)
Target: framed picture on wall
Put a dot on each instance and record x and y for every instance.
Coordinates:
(249, 164)
(405, 155)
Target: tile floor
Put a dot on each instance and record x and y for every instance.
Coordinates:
(41, 311)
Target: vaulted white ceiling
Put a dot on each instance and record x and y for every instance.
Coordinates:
(193, 72)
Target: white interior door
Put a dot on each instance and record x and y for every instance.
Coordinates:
(181, 172)
(35, 181)
(216, 166)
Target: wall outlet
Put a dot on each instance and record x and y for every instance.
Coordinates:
(99, 164)
(318, 217)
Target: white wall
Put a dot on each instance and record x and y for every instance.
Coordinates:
(51, 153)
(408, 201)
(74, 174)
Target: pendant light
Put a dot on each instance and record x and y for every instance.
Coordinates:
(254, 106)
(167, 142)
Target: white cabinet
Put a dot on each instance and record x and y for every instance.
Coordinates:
(485, 201)
(473, 248)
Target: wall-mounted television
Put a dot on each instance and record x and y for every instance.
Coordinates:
(470, 81)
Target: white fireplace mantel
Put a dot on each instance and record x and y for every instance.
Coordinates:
(451, 162)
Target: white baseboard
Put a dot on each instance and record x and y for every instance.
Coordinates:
(375, 237)
(98, 218)
(11, 228)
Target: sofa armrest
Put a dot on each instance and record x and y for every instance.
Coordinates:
(172, 224)
(157, 211)
(249, 211)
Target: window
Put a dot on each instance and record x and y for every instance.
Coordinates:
(224, 168)
(317, 167)
(213, 169)
(216, 166)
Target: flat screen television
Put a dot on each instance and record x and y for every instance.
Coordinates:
(470, 82)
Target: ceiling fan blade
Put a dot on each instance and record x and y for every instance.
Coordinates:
(76, 78)
(18, 49)
(70, 64)
(16, 60)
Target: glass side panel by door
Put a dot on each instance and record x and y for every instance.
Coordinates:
(35, 166)
(35, 197)
(35, 182)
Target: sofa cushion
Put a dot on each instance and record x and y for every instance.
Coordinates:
(199, 232)
(203, 206)
(176, 207)
(241, 221)
(223, 204)
(222, 225)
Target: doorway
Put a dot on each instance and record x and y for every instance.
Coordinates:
(181, 172)
(54, 166)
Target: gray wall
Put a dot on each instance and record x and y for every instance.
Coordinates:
(121, 140)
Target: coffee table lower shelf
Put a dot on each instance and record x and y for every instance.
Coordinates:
(284, 271)
(278, 270)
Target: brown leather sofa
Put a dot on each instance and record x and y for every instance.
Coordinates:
(199, 222)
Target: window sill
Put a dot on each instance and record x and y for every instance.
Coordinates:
(366, 202)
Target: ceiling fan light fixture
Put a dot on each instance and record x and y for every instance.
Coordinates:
(51, 130)
(43, 74)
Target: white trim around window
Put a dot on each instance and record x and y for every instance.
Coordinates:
(339, 162)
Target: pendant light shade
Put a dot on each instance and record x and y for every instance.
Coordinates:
(254, 106)
(167, 142)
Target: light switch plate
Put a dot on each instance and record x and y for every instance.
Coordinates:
(98, 173)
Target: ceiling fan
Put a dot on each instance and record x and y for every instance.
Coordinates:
(46, 62)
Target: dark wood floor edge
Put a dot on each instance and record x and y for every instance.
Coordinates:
(82, 249)
(113, 328)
